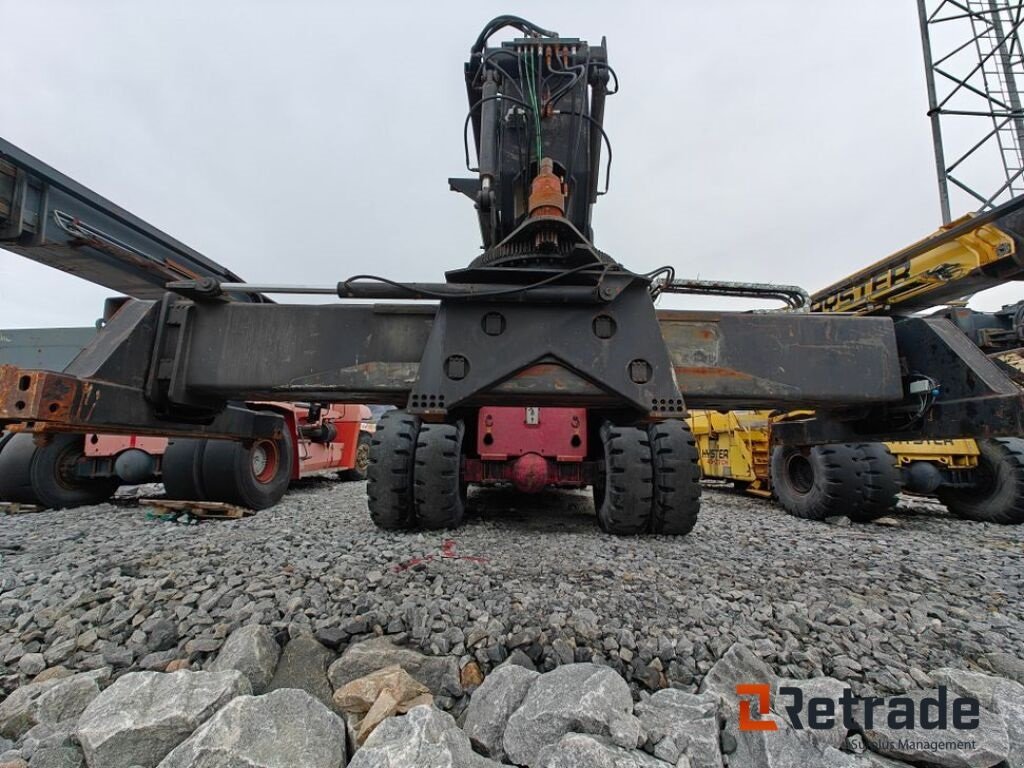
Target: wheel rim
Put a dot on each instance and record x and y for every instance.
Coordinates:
(800, 473)
(362, 457)
(264, 459)
(65, 468)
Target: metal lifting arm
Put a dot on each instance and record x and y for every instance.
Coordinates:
(971, 254)
(49, 218)
(171, 367)
(542, 317)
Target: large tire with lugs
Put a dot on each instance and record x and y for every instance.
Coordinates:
(181, 469)
(389, 473)
(819, 482)
(624, 491)
(676, 475)
(437, 484)
(880, 482)
(15, 465)
(998, 496)
(255, 474)
(54, 480)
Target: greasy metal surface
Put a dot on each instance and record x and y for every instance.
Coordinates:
(371, 354)
(539, 334)
(49, 218)
(793, 296)
(741, 360)
(971, 395)
(47, 401)
(547, 195)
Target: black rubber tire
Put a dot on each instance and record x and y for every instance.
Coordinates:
(389, 474)
(53, 481)
(624, 492)
(15, 469)
(437, 483)
(676, 468)
(880, 482)
(182, 469)
(229, 474)
(819, 482)
(358, 472)
(999, 496)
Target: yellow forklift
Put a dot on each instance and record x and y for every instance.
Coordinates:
(976, 479)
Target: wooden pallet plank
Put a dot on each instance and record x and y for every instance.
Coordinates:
(203, 510)
(18, 508)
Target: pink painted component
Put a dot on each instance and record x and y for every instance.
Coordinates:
(530, 473)
(101, 446)
(347, 421)
(556, 433)
(565, 474)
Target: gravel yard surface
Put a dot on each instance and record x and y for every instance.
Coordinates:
(875, 605)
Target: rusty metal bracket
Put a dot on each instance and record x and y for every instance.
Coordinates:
(44, 401)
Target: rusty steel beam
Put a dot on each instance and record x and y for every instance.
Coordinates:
(173, 367)
(45, 401)
(364, 353)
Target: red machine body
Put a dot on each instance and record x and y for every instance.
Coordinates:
(531, 448)
(326, 443)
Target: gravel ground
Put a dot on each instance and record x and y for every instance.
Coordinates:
(875, 605)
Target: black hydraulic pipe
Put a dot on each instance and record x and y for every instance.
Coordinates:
(549, 294)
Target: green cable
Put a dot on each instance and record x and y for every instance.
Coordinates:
(531, 86)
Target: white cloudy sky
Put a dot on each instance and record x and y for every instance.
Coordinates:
(302, 142)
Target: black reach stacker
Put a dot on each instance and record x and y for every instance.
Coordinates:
(542, 319)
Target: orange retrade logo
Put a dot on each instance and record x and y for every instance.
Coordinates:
(763, 692)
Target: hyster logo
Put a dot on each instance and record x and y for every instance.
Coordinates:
(819, 713)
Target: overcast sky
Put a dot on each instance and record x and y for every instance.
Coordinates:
(780, 141)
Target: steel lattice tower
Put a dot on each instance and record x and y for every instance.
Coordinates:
(975, 64)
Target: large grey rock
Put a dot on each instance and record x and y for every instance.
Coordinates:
(439, 673)
(303, 665)
(45, 736)
(871, 760)
(580, 698)
(52, 701)
(981, 747)
(493, 703)
(144, 715)
(1006, 665)
(254, 652)
(18, 710)
(281, 729)
(786, 748)
(582, 750)
(997, 694)
(679, 723)
(57, 757)
(815, 688)
(31, 664)
(162, 636)
(424, 738)
(67, 699)
(739, 664)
